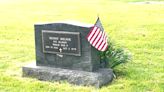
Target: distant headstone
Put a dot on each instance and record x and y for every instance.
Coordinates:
(63, 53)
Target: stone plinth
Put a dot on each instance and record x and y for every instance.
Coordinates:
(97, 78)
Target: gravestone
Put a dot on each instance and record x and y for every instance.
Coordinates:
(63, 53)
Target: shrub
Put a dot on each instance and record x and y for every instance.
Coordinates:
(114, 56)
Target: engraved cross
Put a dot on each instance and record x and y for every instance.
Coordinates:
(60, 50)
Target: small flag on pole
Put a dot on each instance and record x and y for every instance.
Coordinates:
(97, 37)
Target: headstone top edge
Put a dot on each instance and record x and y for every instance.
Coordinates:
(75, 23)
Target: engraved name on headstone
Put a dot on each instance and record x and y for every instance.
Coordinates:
(60, 42)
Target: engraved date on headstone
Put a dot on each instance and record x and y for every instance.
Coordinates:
(61, 42)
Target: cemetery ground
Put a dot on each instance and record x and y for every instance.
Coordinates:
(137, 27)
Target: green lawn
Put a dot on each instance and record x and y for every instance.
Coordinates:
(139, 28)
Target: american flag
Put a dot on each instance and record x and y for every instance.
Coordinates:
(97, 37)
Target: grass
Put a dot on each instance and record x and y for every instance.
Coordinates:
(139, 28)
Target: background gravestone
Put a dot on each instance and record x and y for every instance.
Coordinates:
(63, 53)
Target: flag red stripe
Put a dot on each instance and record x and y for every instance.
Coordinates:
(100, 41)
(100, 45)
(106, 44)
(103, 42)
(94, 36)
(97, 39)
(104, 47)
(92, 33)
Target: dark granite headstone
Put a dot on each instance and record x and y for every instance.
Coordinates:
(63, 47)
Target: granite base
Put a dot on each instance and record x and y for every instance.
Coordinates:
(98, 78)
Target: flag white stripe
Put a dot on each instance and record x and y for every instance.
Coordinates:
(95, 35)
(102, 44)
(105, 46)
(104, 41)
(101, 39)
(93, 31)
(97, 38)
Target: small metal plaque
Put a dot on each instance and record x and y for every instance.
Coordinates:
(61, 42)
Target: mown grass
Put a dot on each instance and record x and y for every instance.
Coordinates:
(139, 28)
